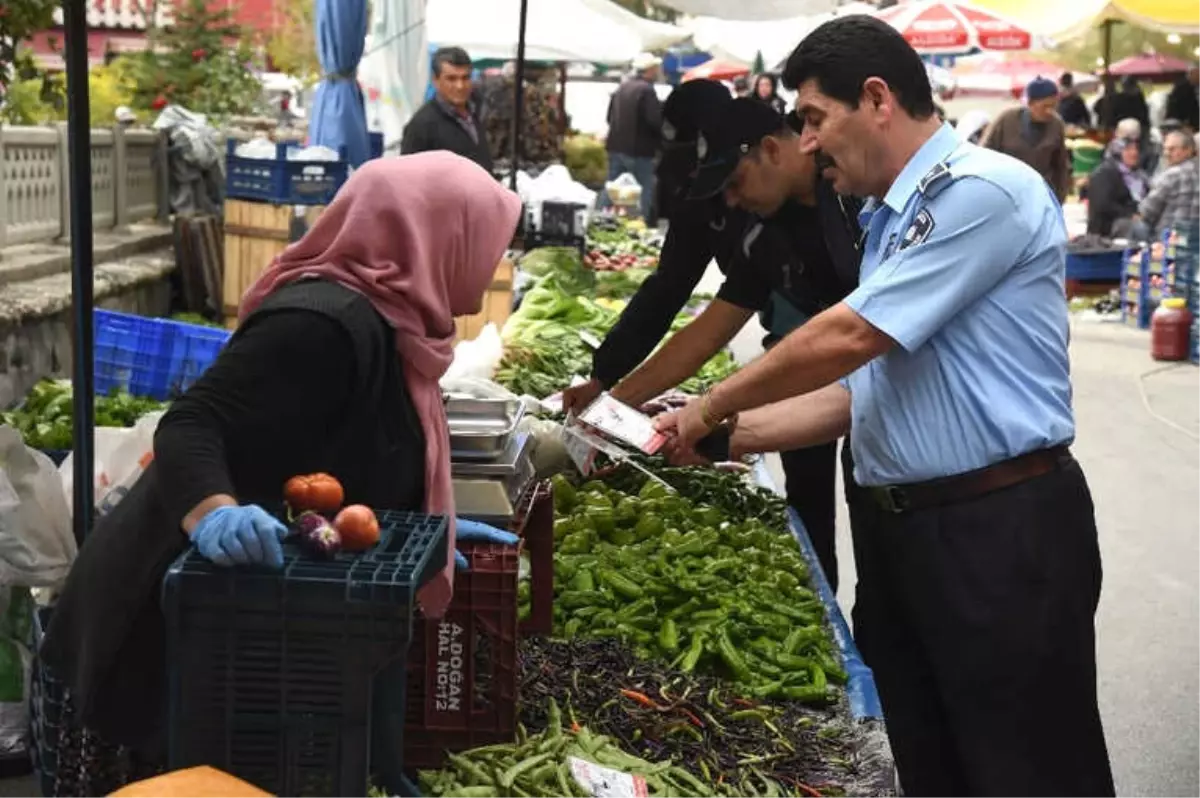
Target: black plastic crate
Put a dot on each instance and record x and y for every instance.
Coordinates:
(69, 759)
(271, 672)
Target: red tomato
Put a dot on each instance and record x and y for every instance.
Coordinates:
(317, 492)
(358, 527)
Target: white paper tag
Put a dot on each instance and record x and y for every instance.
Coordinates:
(623, 423)
(580, 450)
(589, 339)
(8, 494)
(602, 782)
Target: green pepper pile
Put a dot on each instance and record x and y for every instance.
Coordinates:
(539, 765)
(46, 416)
(686, 581)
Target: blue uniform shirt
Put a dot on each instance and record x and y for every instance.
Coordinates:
(963, 266)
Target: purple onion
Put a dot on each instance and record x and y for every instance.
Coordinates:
(317, 535)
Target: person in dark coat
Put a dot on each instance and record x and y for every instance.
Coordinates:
(334, 368)
(1130, 103)
(634, 128)
(1183, 104)
(449, 121)
(1115, 189)
(766, 89)
(1071, 107)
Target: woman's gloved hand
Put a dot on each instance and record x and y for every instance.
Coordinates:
(245, 535)
(476, 532)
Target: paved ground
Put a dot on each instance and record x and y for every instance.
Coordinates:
(1138, 423)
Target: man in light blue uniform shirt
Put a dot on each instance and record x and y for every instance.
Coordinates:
(976, 545)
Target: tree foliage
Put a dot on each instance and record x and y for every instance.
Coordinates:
(20, 19)
(201, 62)
(292, 44)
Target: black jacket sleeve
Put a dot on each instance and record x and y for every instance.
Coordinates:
(413, 138)
(651, 110)
(286, 377)
(685, 255)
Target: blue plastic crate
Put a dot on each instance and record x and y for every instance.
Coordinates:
(1100, 266)
(272, 672)
(280, 181)
(155, 358)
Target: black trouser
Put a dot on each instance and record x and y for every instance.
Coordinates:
(811, 480)
(977, 619)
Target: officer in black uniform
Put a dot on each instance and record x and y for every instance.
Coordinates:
(699, 232)
(801, 258)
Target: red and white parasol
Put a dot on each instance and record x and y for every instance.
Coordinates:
(1002, 75)
(940, 27)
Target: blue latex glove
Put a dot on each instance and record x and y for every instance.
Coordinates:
(246, 535)
(476, 532)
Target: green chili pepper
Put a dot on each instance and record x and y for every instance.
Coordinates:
(668, 636)
(695, 649)
(620, 585)
(732, 658)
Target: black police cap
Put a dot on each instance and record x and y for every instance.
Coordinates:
(692, 107)
(742, 125)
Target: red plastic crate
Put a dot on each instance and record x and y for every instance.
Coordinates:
(535, 525)
(462, 669)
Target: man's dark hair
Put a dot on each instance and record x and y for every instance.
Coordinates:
(843, 53)
(454, 56)
(1067, 80)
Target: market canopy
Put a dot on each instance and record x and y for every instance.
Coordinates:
(942, 27)
(1000, 75)
(1150, 65)
(1068, 19)
(716, 69)
(742, 40)
(751, 9)
(556, 30)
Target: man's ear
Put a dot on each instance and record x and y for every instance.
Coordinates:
(877, 95)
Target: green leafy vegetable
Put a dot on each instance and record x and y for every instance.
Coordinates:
(45, 418)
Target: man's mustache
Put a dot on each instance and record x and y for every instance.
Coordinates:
(823, 161)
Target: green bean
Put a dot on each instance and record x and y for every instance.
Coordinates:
(510, 776)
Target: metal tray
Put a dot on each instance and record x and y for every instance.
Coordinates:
(502, 466)
(479, 426)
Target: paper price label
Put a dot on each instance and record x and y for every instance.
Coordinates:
(623, 423)
(602, 782)
(580, 450)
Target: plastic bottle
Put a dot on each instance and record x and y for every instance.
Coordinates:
(1170, 328)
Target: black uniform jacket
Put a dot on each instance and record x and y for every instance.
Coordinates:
(809, 256)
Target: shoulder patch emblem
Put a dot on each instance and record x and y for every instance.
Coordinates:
(919, 230)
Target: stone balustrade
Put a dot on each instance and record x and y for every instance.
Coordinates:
(128, 184)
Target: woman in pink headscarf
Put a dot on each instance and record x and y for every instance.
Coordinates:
(334, 368)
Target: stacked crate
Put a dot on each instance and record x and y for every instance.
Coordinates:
(1183, 246)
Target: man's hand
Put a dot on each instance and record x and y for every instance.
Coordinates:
(686, 426)
(576, 398)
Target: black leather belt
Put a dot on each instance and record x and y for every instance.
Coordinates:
(963, 487)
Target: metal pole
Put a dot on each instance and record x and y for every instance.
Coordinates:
(79, 137)
(519, 102)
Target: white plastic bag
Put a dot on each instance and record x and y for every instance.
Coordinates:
(37, 545)
(122, 455)
(478, 358)
(625, 190)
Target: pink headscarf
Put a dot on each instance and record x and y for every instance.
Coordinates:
(420, 237)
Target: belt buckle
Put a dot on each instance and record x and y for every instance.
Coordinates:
(893, 499)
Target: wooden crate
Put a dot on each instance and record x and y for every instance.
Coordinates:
(497, 304)
(255, 232)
